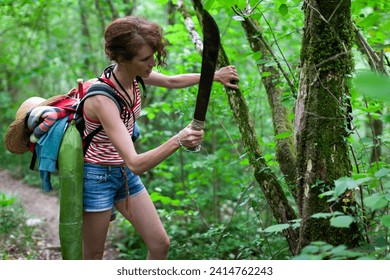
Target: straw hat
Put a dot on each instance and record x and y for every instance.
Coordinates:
(16, 138)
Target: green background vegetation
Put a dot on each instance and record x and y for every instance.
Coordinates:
(210, 203)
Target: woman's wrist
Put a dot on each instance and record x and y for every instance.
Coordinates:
(180, 143)
(179, 140)
(216, 77)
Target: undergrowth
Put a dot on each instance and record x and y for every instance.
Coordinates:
(21, 237)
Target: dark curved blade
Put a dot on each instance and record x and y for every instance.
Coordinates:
(211, 42)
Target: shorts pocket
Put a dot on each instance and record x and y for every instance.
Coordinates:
(97, 176)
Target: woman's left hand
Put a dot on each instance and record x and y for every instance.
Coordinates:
(227, 76)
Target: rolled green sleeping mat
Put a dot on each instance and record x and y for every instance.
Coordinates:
(71, 170)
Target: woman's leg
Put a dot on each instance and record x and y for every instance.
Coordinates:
(148, 224)
(95, 227)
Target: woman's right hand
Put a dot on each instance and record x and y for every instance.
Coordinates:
(189, 137)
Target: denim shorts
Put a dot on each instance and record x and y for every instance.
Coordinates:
(105, 185)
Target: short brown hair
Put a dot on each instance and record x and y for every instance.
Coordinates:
(125, 36)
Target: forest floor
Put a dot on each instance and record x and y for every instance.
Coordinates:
(44, 208)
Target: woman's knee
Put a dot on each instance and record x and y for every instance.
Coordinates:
(160, 246)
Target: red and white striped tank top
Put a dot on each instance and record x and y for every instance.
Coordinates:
(101, 151)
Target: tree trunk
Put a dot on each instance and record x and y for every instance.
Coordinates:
(100, 16)
(170, 13)
(114, 11)
(321, 119)
(86, 44)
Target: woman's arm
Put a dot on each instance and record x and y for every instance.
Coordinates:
(102, 108)
(225, 75)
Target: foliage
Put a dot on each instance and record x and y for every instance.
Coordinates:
(320, 250)
(19, 234)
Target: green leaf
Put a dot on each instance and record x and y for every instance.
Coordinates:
(265, 74)
(340, 188)
(151, 115)
(5, 201)
(344, 183)
(322, 215)
(376, 201)
(373, 85)
(208, 4)
(327, 193)
(283, 135)
(370, 20)
(382, 173)
(283, 9)
(363, 180)
(311, 249)
(385, 220)
(257, 55)
(339, 249)
(277, 228)
(244, 161)
(341, 221)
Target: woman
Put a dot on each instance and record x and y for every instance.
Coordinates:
(112, 165)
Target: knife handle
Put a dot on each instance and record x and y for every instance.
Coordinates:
(196, 125)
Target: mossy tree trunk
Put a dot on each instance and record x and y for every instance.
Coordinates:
(321, 119)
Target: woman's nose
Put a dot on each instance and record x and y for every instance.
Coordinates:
(152, 62)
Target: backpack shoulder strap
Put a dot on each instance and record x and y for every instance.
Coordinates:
(141, 81)
(97, 89)
(102, 89)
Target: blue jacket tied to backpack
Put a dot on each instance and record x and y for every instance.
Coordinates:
(47, 151)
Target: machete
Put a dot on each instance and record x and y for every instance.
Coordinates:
(211, 43)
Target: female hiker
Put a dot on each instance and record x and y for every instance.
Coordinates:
(112, 165)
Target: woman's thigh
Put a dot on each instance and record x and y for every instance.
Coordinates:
(144, 218)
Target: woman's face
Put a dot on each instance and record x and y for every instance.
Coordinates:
(142, 64)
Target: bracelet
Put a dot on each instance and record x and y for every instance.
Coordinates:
(195, 150)
(178, 140)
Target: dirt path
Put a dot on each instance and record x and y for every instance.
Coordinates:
(42, 206)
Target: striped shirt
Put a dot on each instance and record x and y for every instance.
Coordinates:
(101, 151)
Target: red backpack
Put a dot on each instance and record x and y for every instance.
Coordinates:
(73, 103)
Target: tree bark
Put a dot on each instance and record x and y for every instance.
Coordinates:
(321, 119)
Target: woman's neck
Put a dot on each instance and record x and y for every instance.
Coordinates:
(124, 76)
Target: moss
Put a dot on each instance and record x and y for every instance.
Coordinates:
(322, 148)
(328, 42)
